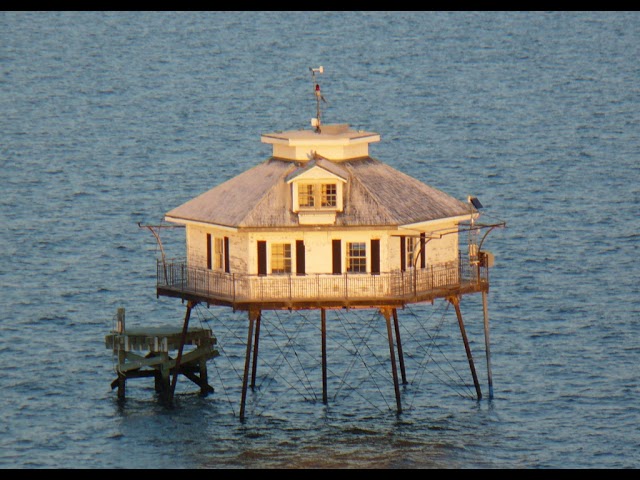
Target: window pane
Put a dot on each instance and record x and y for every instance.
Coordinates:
(281, 258)
(329, 195)
(305, 195)
(356, 257)
(411, 244)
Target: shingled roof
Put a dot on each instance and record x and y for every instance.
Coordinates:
(376, 195)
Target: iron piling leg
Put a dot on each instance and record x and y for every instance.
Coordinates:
(456, 303)
(255, 351)
(323, 319)
(185, 328)
(245, 380)
(392, 356)
(399, 343)
(485, 310)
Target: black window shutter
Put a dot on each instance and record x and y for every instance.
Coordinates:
(403, 254)
(337, 257)
(300, 265)
(209, 251)
(262, 257)
(226, 255)
(423, 254)
(375, 257)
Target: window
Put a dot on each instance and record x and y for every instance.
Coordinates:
(410, 251)
(329, 197)
(305, 195)
(281, 258)
(218, 253)
(356, 257)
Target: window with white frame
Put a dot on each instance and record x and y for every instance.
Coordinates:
(356, 257)
(329, 195)
(306, 198)
(410, 251)
(280, 258)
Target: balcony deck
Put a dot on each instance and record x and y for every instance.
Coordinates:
(313, 291)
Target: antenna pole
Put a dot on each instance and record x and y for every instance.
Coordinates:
(316, 122)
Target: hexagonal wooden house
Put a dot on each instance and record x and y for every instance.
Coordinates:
(321, 224)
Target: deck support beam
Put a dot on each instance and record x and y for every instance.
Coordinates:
(386, 312)
(455, 300)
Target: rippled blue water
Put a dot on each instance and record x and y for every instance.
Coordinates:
(109, 119)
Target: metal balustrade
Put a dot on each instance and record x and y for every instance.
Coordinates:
(176, 278)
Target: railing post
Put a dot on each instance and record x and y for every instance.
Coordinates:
(415, 281)
(182, 276)
(346, 286)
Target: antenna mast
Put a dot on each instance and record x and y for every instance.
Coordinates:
(316, 122)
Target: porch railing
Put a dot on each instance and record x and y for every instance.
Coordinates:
(411, 285)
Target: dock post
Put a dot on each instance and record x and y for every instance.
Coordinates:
(387, 316)
(456, 303)
(204, 377)
(323, 324)
(399, 343)
(122, 385)
(485, 310)
(253, 315)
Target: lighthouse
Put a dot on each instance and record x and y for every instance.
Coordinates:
(322, 224)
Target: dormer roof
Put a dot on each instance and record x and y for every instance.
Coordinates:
(318, 163)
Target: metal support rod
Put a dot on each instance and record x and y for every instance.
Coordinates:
(247, 361)
(255, 351)
(323, 320)
(185, 328)
(399, 343)
(456, 303)
(485, 310)
(387, 316)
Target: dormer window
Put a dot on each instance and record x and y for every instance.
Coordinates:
(329, 195)
(317, 192)
(306, 198)
(317, 195)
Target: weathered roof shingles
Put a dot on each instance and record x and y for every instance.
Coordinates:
(375, 195)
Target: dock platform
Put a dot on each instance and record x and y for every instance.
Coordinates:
(149, 352)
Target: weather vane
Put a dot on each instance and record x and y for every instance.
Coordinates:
(316, 122)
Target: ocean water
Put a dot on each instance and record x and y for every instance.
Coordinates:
(113, 118)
